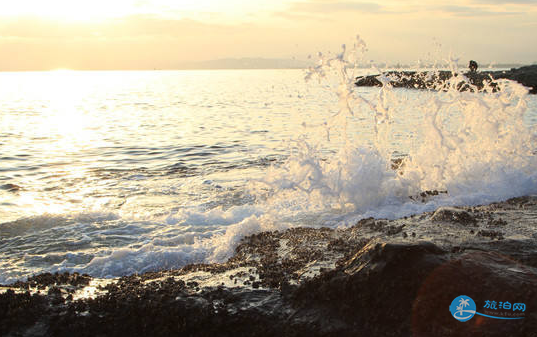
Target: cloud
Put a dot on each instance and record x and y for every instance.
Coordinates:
(130, 26)
(134, 42)
(37, 28)
(155, 25)
(324, 6)
(502, 2)
(318, 9)
(293, 16)
(467, 11)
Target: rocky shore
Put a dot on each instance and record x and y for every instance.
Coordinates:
(476, 80)
(376, 278)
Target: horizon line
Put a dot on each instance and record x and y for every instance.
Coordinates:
(382, 64)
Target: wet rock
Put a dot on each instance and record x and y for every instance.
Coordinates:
(19, 311)
(380, 226)
(483, 276)
(373, 289)
(425, 196)
(358, 281)
(491, 234)
(497, 223)
(45, 280)
(526, 76)
(449, 214)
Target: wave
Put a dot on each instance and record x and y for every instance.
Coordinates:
(466, 148)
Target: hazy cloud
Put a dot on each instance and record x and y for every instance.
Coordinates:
(468, 11)
(131, 26)
(36, 28)
(298, 16)
(134, 42)
(501, 2)
(323, 6)
(318, 9)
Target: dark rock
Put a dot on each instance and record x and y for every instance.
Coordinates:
(482, 276)
(20, 310)
(44, 280)
(526, 76)
(454, 215)
(425, 196)
(497, 223)
(491, 234)
(368, 282)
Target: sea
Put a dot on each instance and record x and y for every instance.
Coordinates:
(112, 173)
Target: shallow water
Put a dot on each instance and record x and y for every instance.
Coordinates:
(112, 173)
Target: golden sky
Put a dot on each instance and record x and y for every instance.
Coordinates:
(147, 34)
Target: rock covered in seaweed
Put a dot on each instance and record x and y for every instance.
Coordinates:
(376, 278)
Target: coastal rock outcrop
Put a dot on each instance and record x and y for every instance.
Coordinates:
(475, 80)
(376, 278)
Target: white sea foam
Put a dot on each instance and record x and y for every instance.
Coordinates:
(154, 255)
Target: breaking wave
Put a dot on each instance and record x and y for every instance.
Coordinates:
(465, 148)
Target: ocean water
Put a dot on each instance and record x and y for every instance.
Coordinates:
(114, 173)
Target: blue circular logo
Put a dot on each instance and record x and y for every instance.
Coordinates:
(462, 308)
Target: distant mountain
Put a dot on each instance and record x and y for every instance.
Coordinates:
(246, 63)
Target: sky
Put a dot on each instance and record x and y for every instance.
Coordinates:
(162, 34)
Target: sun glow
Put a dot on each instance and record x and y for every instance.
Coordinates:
(69, 10)
(100, 10)
(65, 118)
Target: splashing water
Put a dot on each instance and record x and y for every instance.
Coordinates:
(475, 145)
